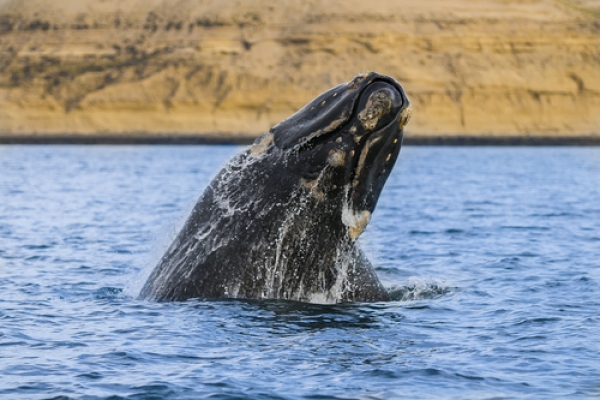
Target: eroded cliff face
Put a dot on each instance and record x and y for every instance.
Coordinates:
(230, 68)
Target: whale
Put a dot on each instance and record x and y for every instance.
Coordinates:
(282, 219)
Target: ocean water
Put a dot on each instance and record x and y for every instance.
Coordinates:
(493, 255)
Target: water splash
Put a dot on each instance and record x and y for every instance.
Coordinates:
(419, 288)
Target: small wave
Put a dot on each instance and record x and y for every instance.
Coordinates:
(38, 247)
(556, 214)
(525, 227)
(415, 232)
(536, 321)
(107, 293)
(419, 289)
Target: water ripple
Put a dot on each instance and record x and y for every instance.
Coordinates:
(491, 256)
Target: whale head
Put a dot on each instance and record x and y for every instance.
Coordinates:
(343, 145)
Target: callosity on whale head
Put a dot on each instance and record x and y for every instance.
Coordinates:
(280, 221)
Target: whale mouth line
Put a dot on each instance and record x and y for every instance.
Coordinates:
(362, 146)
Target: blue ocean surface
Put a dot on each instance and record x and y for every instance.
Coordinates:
(492, 254)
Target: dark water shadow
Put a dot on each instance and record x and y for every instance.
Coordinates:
(292, 317)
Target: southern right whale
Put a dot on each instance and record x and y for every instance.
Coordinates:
(281, 220)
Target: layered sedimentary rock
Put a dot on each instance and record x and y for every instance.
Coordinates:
(234, 68)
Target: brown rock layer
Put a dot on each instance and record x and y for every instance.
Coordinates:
(235, 68)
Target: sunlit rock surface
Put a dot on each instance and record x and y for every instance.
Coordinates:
(234, 68)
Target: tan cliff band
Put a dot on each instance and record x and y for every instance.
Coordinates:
(224, 70)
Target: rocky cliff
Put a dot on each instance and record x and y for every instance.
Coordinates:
(229, 68)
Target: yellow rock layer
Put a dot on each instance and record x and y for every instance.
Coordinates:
(230, 67)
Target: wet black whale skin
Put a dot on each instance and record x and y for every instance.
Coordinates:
(274, 223)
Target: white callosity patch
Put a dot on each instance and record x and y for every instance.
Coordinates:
(405, 116)
(359, 78)
(355, 221)
(362, 160)
(328, 129)
(336, 123)
(313, 186)
(260, 147)
(378, 104)
(336, 158)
